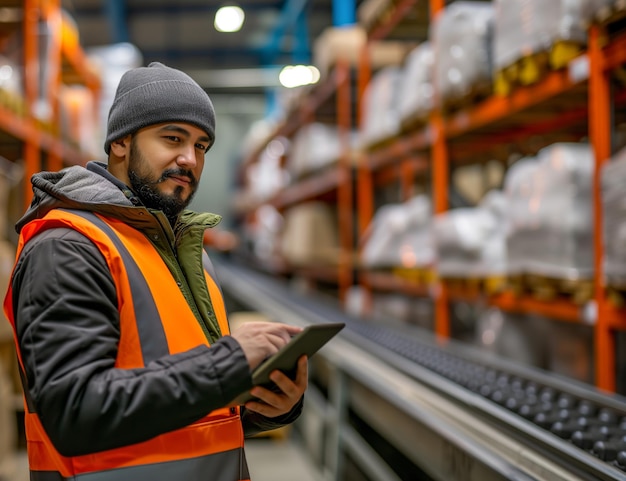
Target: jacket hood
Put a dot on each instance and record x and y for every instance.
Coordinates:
(95, 189)
(74, 187)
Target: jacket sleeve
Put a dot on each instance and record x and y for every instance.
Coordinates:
(254, 423)
(68, 330)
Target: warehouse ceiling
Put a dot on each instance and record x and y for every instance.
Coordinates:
(180, 33)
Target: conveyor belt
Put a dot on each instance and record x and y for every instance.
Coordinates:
(570, 423)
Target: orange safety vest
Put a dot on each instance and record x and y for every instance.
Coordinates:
(155, 320)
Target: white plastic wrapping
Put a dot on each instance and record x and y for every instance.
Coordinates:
(551, 230)
(471, 241)
(614, 219)
(315, 146)
(461, 37)
(400, 236)
(381, 102)
(416, 85)
(525, 27)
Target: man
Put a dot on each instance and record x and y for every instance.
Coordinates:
(128, 365)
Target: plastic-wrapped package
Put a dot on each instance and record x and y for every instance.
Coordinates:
(381, 100)
(400, 236)
(315, 146)
(602, 9)
(416, 85)
(461, 38)
(518, 187)
(525, 27)
(551, 218)
(614, 219)
(471, 241)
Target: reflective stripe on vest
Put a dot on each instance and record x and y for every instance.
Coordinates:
(155, 320)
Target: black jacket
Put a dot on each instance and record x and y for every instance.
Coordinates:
(65, 307)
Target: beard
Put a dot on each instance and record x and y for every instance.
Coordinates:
(146, 185)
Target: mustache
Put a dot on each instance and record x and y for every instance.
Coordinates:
(178, 173)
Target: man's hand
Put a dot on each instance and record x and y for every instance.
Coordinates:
(260, 340)
(272, 404)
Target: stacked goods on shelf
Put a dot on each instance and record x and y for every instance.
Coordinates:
(471, 241)
(461, 38)
(551, 223)
(532, 36)
(310, 237)
(570, 350)
(11, 91)
(381, 119)
(416, 86)
(606, 10)
(614, 220)
(314, 147)
(400, 235)
(261, 238)
(267, 176)
(347, 44)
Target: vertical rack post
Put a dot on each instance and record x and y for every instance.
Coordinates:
(344, 189)
(52, 16)
(600, 135)
(440, 174)
(32, 145)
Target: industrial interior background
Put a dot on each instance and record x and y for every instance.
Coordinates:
(450, 188)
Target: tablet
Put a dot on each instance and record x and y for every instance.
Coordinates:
(307, 342)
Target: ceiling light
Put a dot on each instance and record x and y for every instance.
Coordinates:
(229, 19)
(293, 76)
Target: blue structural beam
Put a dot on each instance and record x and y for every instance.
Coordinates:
(116, 13)
(301, 47)
(344, 12)
(291, 11)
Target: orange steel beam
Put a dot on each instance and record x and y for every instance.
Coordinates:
(311, 188)
(400, 11)
(365, 197)
(484, 144)
(440, 174)
(615, 53)
(416, 141)
(32, 155)
(345, 188)
(54, 20)
(600, 135)
(559, 309)
(496, 108)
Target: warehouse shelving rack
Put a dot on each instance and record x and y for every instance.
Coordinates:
(38, 143)
(564, 105)
(330, 101)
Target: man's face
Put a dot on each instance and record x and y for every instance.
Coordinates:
(164, 165)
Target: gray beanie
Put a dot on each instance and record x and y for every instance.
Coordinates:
(155, 94)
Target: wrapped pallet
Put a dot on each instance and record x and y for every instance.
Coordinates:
(315, 146)
(527, 27)
(400, 236)
(471, 241)
(614, 219)
(381, 118)
(310, 236)
(461, 36)
(416, 85)
(551, 228)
